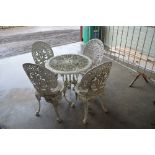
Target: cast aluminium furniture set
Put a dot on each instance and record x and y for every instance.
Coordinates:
(89, 67)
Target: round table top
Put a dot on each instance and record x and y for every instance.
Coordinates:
(69, 63)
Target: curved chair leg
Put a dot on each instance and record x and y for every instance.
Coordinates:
(57, 113)
(76, 96)
(103, 106)
(38, 98)
(70, 103)
(85, 113)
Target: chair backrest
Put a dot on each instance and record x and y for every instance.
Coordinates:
(94, 79)
(41, 52)
(42, 79)
(94, 49)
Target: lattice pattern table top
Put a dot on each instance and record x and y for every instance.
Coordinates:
(69, 64)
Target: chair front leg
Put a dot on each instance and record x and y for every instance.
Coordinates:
(55, 105)
(103, 106)
(76, 96)
(85, 112)
(38, 98)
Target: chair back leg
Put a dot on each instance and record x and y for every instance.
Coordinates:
(85, 111)
(103, 106)
(38, 98)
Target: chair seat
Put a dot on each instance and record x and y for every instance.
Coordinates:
(91, 93)
(54, 91)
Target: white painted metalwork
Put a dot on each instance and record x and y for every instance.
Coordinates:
(92, 85)
(69, 66)
(46, 84)
(41, 52)
(94, 49)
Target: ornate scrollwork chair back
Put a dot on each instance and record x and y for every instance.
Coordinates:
(94, 49)
(94, 80)
(41, 52)
(42, 79)
(46, 85)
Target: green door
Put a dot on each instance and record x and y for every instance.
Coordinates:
(87, 33)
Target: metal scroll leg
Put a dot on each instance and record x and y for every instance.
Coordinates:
(38, 98)
(68, 101)
(57, 113)
(103, 106)
(75, 80)
(67, 85)
(86, 105)
(76, 96)
(85, 112)
(140, 74)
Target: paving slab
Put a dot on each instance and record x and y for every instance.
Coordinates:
(19, 40)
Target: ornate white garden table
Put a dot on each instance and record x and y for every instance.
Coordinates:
(69, 66)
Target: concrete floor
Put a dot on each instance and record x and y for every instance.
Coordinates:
(128, 107)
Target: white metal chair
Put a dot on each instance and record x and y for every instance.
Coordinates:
(94, 49)
(41, 52)
(46, 84)
(92, 85)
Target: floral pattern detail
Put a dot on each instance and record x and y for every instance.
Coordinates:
(69, 63)
(41, 52)
(92, 85)
(46, 85)
(94, 49)
(42, 79)
(94, 80)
